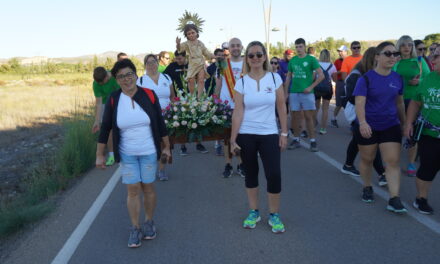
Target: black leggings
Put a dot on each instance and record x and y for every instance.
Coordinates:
(269, 149)
(429, 151)
(352, 151)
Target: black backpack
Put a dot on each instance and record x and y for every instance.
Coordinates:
(325, 86)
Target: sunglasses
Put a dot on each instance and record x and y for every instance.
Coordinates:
(422, 49)
(432, 49)
(128, 75)
(167, 58)
(389, 54)
(356, 48)
(436, 56)
(274, 62)
(258, 54)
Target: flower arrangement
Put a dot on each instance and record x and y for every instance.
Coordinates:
(195, 118)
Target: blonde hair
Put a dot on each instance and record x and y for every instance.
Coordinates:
(324, 56)
(404, 39)
(266, 64)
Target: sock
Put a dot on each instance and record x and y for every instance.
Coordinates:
(312, 140)
(111, 154)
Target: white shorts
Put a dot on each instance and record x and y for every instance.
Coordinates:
(302, 101)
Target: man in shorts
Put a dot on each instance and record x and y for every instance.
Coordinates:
(103, 85)
(301, 95)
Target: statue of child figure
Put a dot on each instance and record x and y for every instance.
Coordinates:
(197, 53)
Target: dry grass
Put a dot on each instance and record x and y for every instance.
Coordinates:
(39, 98)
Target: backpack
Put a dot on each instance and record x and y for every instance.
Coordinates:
(325, 86)
(349, 108)
(149, 93)
(165, 75)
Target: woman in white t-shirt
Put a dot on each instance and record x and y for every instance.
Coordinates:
(255, 131)
(162, 85)
(326, 96)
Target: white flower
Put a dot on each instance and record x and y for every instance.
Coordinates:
(175, 109)
(183, 109)
(204, 108)
(166, 121)
(175, 117)
(184, 122)
(194, 125)
(225, 117)
(193, 111)
(176, 124)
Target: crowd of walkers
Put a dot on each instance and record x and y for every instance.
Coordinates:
(390, 95)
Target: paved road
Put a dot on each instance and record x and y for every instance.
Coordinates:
(199, 218)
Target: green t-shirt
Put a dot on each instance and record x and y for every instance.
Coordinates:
(428, 93)
(408, 69)
(161, 68)
(104, 90)
(302, 70)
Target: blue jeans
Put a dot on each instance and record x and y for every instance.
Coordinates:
(135, 169)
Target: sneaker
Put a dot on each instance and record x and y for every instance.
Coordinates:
(183, 151)
(110, 161)
(421, 204)
(162, 175)
(367, 194)
(228, 171)
(313, 146)
(294, 144)
(133, 239)
(201, 148)
(148, 230)
(350, 170)
(304, 134)
(240, 170)
(411, 170)
(219, 150)
(396, 206)
(382, 180)
(334, 123)
(276, 224)
(322, 131)
(251, 221)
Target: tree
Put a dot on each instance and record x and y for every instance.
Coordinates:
(190, 18)
(431, 38)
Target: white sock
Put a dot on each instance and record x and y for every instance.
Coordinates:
(312, 140)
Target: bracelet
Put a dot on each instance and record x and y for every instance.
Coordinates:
(284, 134)
(363, 122)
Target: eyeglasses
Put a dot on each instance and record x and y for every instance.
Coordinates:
(167, 58)
(389, 54)
(422, 49)
(274, 62)
(432, 49)
(128, 75)
(356, 48)
(258, 54)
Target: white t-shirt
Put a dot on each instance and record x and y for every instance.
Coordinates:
(325, 65)
(224, 92)
(162, 88)
(259, 106)
(135, 129)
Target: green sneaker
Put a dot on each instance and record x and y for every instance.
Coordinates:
(110, 161)
(276, 224)
(251, 221)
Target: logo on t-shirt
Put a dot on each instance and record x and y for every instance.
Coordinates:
(269, 90)
(392, 85)
(305, 63)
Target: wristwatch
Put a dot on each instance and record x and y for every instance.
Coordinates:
(284, 134)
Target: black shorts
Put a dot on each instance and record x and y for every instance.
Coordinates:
(392, 134)
(324, 96)
(340, 93)
(429, 151)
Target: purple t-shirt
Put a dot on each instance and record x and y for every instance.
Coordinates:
(382, 92)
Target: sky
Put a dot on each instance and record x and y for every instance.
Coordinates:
(67, 28)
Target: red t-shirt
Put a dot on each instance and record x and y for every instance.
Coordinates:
(338, 65)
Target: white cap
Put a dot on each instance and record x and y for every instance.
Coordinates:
(343, 48)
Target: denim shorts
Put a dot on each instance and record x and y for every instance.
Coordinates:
(135, 169)
(302, 101)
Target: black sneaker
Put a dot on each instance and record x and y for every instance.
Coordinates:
(382, 180)
(313, 146)
(240, 170)
(294, 144)
(421, 204)
(228, 171)
(396, 206)
(201, 148)
(304, 134)
(367, 194)
(334, 123)
(183, 151)
(350, 170)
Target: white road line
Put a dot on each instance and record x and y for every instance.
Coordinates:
(75, 238)
(423, 219)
